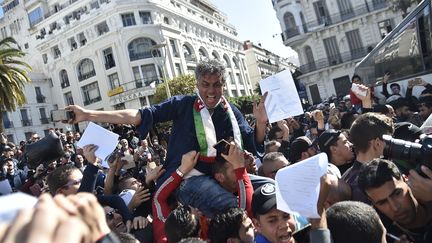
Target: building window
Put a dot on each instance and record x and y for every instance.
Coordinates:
(215, 55)
(109, 58)
(144, 75)
(64, 79)
(45, 58)
(202, 54)
(72, 43)
(40, 98)
(332, 50)
(94, 5)
(385, 27)
(355, 44)
(86, 69)
(82, 39)
(226, 61)
(68, 98)
(102, 28)
(120, 106)
(230, 79)
(91, 93)
(26, 121)
(174, 48)
(290, 24)
(146, 17)
(188, 53)
(236, 62)
(44, 119)
(113, 80)
(140, 48)
(56, 52)
(238, 78)
(7, 123)
(178, 69)
(128, 19)
(166, 20)
(35, 16)
(322, 12)
(4, 32)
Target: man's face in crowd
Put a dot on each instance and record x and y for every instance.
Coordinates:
(395, 200)
(348, 104)
(114, 220)
(357, 81)
(210, 88)
(35, 137)
(144, 143)
(246, 232)
(424, 111)
(73, 184)
(227, 179)
(276, 226)
(404, 112)
(395, 89)
(271, 167)
(8, 167)
(132, 183)
(343, 149)
(79, 159)
(77, 136)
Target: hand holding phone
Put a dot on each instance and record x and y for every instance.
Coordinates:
(222, 146)
(62, 115)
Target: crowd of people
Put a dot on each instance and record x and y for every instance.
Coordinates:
(177, 186)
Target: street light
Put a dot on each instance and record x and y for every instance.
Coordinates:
(160, 58)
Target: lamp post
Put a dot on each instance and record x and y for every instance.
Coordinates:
(159, 57)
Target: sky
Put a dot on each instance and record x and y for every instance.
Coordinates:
(256, 20)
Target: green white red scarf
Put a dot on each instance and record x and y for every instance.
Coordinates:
(205, 131)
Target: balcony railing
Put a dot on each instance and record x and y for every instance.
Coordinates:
(137, 84)
(45, 120)
(84, 76)
(40, 99)
(26, 123)
(8, 124)
(335, 60)
(334, 19)
(91, 101)
(64, 84)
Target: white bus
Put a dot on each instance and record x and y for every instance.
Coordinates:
(406, 53)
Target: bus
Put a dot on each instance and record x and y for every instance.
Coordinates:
(405, 53)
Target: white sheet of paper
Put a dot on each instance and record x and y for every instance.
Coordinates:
(282, 100)
(12, 203)
(104, 139)
(427, 125)
(298, 186)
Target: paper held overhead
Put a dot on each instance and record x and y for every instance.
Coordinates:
(282, 100)
(298, 186)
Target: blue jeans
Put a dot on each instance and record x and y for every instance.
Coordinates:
(204, 193)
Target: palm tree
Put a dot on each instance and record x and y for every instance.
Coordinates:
(13, 77)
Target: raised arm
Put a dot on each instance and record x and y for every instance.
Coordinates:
(127, 116)
(261, 120)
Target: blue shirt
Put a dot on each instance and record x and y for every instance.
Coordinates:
(179, 109)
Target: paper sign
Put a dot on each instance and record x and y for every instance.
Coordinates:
(12, 203)
(282, 100)
(105, 140)
(427, 125)
(298, 186)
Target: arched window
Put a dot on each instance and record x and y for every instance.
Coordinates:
(303, 23)
(289, 21)
(310, 65)
(215, 55)
(227, 61)
(188, 52)
(140, 48)
(86, 69)
(236, 63)
(202, 54)
(64, 79)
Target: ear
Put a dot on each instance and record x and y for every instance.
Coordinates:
(219, 177)
(257, 224)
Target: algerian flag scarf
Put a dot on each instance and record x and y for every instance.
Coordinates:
(205, 130)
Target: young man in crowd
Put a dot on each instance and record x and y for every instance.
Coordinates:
(366, 136)
(272, 162)
(301, 148)
(390, 194)
(232, 226)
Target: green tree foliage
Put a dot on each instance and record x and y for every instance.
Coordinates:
(13, 77)
(183, 84)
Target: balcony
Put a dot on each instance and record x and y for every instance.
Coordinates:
(26, 122)
(91, 101)
(8, 124)
(84, 76)
(40, 99)
(190, 58)
(65, 85)
(335, 60)
(341, 16)
(45, 120)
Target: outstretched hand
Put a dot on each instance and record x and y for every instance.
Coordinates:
(80, 114)
(259, 110)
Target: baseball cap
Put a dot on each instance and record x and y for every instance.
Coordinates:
(264, 199)
(326, 138)
(298, 146)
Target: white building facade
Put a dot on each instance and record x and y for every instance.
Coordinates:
(262, 63)
(330, 37)
(110, 54)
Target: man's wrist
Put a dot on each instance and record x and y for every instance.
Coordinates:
(179, 172)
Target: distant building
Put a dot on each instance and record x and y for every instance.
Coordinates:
(262, 63)
(110, 54)
(330, 37)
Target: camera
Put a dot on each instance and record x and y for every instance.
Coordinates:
(414, 153)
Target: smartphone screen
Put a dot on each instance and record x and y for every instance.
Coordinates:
(222, 146)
